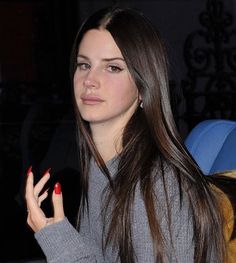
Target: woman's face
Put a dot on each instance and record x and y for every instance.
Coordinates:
(104, 90)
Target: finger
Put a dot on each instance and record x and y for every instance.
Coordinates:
(36, 218)
(29, 183)
(31, 200)
(29, 190)
(33, 209)
(39, 186)
(57, 201)
(42, 197)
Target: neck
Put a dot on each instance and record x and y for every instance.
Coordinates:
(107, 140)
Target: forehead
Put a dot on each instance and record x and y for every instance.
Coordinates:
(99, 41)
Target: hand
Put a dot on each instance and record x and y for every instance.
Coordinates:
(36, 218)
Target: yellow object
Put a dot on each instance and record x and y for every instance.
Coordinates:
(229, 219)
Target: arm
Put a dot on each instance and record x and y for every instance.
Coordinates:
(59, 240)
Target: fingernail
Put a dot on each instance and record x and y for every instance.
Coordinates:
(47, 172)
(57, 188)
(29, 170)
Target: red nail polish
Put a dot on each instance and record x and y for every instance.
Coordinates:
(48, 170)
(29, 170)
(57, 188)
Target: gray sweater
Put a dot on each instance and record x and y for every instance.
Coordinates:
(62, 243)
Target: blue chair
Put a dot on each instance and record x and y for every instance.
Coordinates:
(212, 143)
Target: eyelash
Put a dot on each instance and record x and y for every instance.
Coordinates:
(114, 69)
(83, 66)
(111, 68)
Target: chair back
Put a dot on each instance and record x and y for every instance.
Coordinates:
(212, 144)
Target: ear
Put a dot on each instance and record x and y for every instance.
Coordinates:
(140, 101)
(139, 97)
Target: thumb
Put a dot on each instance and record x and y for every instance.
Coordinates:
(57, 201)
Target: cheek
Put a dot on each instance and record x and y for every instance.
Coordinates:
(77, 84)
(76, 79)
(77, 89)
(124, 88)
(128, 93)
(124, 98)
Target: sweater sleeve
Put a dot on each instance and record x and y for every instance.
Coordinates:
(61, 243)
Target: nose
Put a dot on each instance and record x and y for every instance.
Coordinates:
(91, 80)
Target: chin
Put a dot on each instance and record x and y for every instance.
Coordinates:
(89, 118)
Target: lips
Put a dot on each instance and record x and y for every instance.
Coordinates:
(91, 100)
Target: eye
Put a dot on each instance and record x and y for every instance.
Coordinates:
(83, 65)
(114, 69)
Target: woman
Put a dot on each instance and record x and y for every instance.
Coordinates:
(143, 198)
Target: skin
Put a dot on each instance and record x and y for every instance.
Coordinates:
(106, 97)
(103, 75)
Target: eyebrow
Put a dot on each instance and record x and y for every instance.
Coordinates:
(104, 59)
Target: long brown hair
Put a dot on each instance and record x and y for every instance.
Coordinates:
(150, 138)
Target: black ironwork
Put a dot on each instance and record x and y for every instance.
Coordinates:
(210, 57)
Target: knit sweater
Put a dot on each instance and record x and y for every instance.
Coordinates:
(62, 243)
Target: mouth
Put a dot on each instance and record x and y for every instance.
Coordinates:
(91, 100)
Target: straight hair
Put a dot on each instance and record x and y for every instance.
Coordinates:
(152, 131)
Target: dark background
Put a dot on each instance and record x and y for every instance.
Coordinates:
(36, 119)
